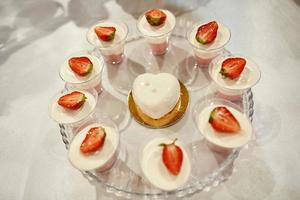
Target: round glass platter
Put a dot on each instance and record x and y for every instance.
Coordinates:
(125, 178)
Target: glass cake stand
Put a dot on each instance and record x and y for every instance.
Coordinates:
(125, 177)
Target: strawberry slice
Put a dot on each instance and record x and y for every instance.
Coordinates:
(172, 157)
(232, 67)
(222, 120)
(105, 33)
(207, 33)
(93, 141)
(72, 101)
(82, 66)
(155, 17)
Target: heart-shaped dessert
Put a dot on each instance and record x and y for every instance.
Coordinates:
(156, 94)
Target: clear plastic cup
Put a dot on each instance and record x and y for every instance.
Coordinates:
(99, 161)
(218, 142)
(92, 80)
(73, 118)
(234, 89)
(112, 51)
(149, 155)
(157, 37)
(204, 54)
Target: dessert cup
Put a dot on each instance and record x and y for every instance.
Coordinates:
(157, 37)
(151, 163)
(205, 53)
(92, 80)
(234, 89)
(98, 161)
(112, 51)
(221, 142)
(73, 118)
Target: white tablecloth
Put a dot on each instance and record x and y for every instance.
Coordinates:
(35, 37)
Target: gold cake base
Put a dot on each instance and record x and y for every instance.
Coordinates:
(167, 120)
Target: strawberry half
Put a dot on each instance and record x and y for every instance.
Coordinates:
(72, 101)
(82, 66)
(105, 33)
(207, 33)
(172, 157)
(233, 67)
(222, 120)
(155, 17)
(93, 141)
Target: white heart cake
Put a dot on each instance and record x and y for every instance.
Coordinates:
(156, 94)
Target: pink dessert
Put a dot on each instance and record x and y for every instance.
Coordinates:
(202, 61)
(114, 58)
(159, 49)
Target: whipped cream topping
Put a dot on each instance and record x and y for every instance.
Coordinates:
(248, 78)
(156, 94)
(69, 76)
(223, 36)
(156, 172)
(120, 35)
(154, 31)
(99, 158)
(225, 139)
(67, 116)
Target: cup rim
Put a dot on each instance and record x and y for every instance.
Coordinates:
(108, 20)
(203, 103)
(230, 55)
(182, 144)
(102, 121)
(91, 78)
(54, 98)
(198, 23)
(158, 36)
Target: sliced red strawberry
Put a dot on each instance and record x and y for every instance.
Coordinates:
(81, 65)
(105, 33)
(207, 33)
(233, 67)
(172, 157)
(72, 100)
(222, 120)
(155, 17)
(93, 141)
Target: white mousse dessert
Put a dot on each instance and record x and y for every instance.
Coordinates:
(156, 94)
(69, 76)
(223, 36)
(114, 47)
(204, 53)
(154, 31)
(248, 78)
(227, 140)
(99, 160)
(67, 116)
(156, 172)
(91, 80)
(157, 36)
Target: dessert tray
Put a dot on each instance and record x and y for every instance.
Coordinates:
(125, 177)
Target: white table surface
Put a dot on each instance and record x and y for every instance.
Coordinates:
(35, 37)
